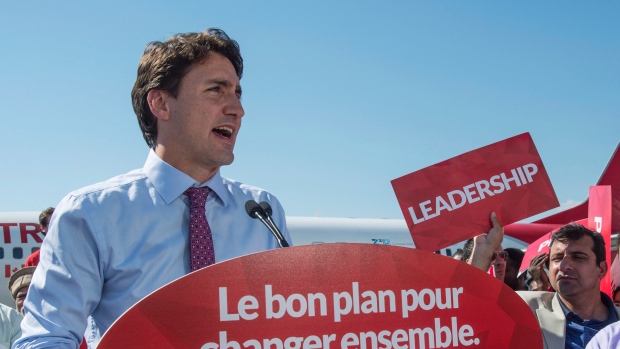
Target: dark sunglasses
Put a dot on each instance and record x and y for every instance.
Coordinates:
(501, 254)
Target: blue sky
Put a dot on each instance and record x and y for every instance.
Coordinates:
(340, 97)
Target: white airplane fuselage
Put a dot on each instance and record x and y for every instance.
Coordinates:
(21, 237)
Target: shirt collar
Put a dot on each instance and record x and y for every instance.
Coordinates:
(170, 183)
(604, 298)
(216, 184)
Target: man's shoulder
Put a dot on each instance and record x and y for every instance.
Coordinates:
(537, 299)
(118, 183)
(234, 186)
(114, 192)
(239, 193)
(9, 314)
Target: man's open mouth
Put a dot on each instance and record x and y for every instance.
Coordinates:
(223, 131)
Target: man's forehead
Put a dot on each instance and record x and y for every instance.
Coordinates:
(583, 244)
(217, 65)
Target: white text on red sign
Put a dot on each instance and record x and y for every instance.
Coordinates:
(471, 193)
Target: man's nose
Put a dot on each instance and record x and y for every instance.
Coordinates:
(234, 107)
(565, 264)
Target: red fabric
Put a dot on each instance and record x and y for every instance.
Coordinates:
(33, 259)
(83, 345)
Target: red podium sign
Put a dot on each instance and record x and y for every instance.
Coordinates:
(451, 201)
(330, 296)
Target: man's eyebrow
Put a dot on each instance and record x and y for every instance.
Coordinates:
(225, 83)
(580, 253)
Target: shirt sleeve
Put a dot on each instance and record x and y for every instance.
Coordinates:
(15, 320)
(594, 344)
(67, 283)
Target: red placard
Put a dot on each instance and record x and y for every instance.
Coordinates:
(599, 219)
(451, 201)
(331, 296)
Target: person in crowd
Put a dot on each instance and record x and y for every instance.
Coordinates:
(481, 244)
(499, 264)
(10, 329)
(112, 243)
(19, 283)
(458, 255)
(539, 278)
(467, 250)
(572, 315)
(482, 250)
(44, 220)
(532, 285)
(616, 296)
(513, 263)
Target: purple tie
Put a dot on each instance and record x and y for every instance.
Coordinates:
(201, 252)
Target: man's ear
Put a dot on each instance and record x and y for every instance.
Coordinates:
(604, 268)
(159, 103)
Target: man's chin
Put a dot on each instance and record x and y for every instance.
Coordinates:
(225, 159)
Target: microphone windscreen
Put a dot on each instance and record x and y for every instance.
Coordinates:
(252, 207)
(266, 208)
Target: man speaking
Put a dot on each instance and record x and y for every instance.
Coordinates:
(112, 243)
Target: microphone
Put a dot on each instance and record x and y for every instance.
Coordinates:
(254, 210)
(268, 211)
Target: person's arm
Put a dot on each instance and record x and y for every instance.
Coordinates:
(536, 269)
(486, 244)
(67, 283)
(15, 320)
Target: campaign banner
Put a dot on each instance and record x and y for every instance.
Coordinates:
(331, 296)
(599, 219)
(451, 201)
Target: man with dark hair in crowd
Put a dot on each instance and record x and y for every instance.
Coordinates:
(112, 243)
(44, 221)
(513, 263)
(570, 317)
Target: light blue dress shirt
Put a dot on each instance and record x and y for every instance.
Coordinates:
(112, 243)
